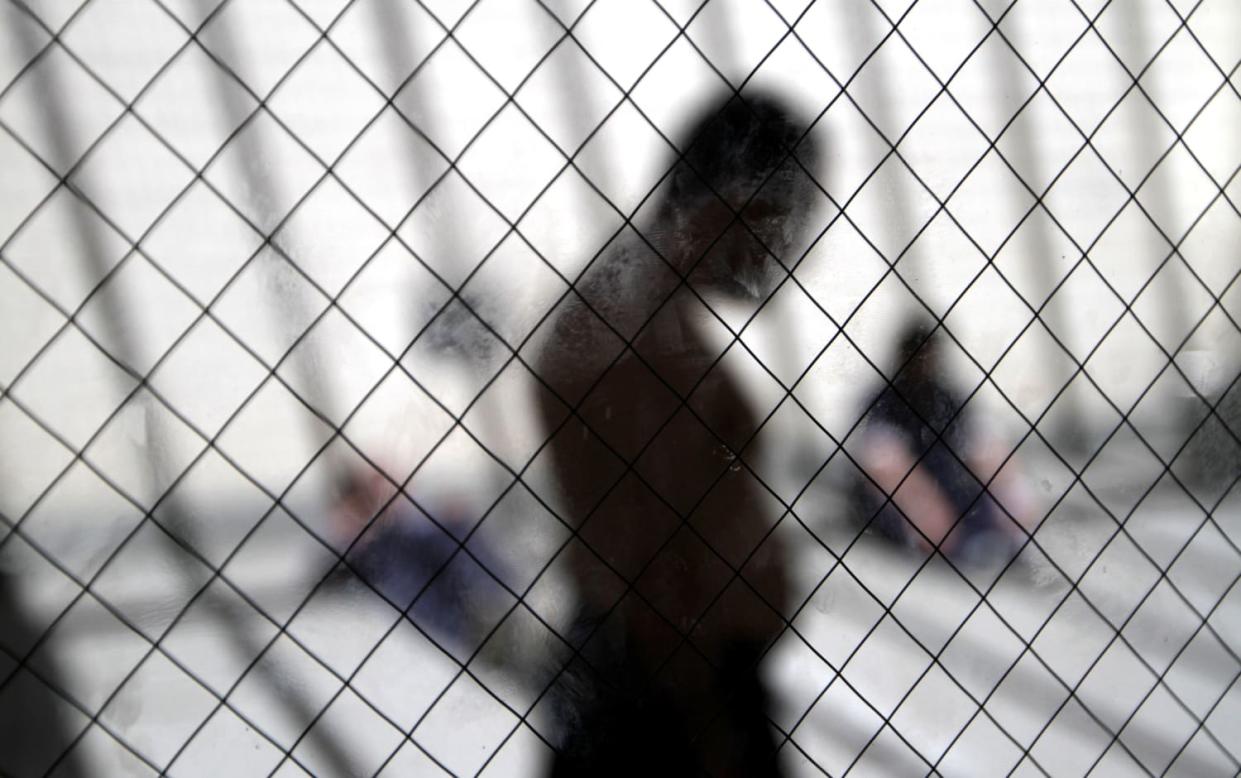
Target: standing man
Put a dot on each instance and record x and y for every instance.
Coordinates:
(679, 582)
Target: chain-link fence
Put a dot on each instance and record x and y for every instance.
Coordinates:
(294, 299)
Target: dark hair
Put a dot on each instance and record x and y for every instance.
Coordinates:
(917, 341)
(913, 335)
(738, 143)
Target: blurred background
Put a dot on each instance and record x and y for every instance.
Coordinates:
(262, 259)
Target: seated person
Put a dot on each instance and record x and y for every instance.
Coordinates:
(411, 561)
(920, 448)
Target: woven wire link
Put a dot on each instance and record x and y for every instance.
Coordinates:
(1137, 674)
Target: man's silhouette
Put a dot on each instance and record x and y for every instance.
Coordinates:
(653, 469)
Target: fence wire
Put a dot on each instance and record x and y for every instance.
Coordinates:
(260, 257)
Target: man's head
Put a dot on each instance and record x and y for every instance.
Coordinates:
(741, 195)
(918, 351)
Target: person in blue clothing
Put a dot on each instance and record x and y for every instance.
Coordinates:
(410, 560)
(927, 462)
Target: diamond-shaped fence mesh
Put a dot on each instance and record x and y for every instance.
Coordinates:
(520, 387)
